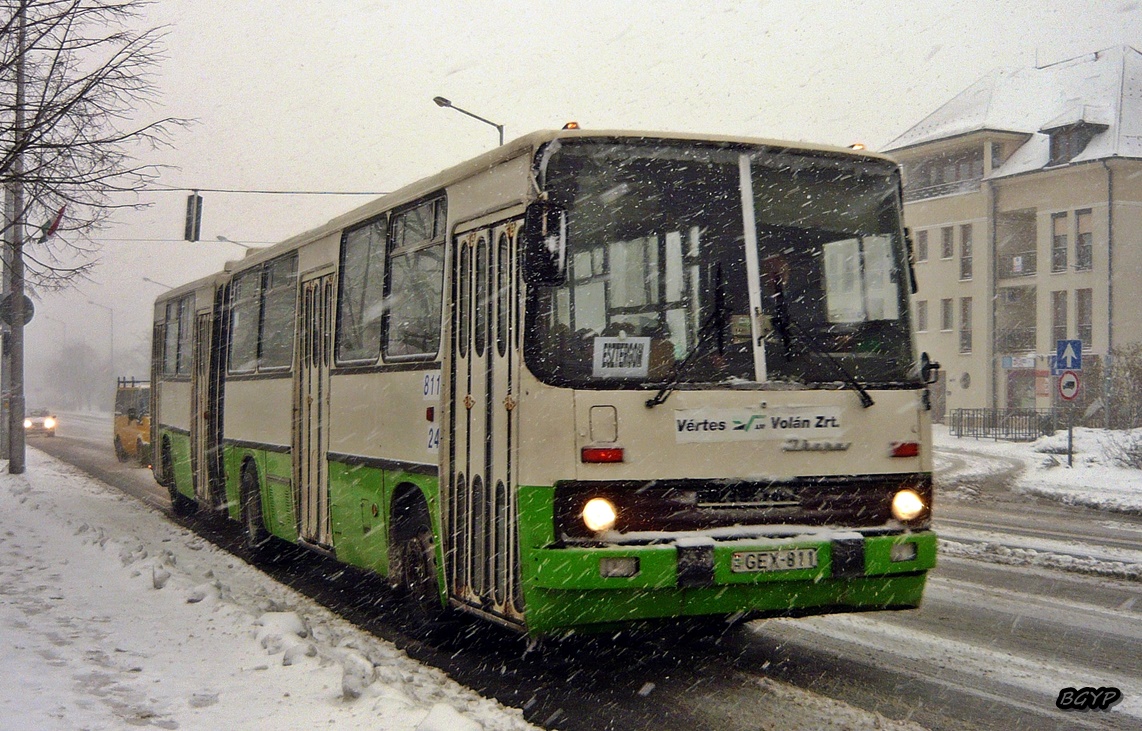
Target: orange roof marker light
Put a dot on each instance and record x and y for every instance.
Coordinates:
(571, 125)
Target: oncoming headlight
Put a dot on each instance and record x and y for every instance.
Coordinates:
(49, 423)
(27, 423)
(599, 514)
(907, 506)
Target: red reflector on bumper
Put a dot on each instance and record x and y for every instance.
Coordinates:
(904, 449)
(602, 454)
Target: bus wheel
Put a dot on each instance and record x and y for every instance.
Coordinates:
(263, 547)
(120, 453)
(181, 505)
(416, 551)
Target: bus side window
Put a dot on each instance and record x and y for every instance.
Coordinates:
(361, 293)
(415, 281)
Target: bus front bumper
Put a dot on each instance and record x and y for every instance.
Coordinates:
(577, 586)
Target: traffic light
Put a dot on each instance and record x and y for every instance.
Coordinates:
(193, 216)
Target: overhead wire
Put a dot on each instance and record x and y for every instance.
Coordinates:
(254, 191)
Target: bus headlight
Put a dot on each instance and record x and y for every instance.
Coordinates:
(49, 423)
(599, 514)
(907, 506)
(27, 423)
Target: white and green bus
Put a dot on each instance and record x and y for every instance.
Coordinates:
(585, 379)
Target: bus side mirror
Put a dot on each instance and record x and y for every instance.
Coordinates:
(929, 369)
(544, 244)
(911, 259)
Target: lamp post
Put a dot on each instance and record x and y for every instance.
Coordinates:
(442, 102)
(111, 316)
(161, 284)
(223, 239)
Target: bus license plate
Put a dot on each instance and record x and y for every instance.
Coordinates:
(753, 562)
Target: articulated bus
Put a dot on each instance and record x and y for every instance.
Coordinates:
(583, 380)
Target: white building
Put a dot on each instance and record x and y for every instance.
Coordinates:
(1024, 196)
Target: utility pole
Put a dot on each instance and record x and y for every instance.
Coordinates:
(5, 290)
(5, 337)
(16, 455)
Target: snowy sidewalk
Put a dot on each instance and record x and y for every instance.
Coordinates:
(1094, 481)
(111, 616)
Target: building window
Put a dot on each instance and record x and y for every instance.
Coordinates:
(1059, 242)
(1084, 238)
(1058, 316)
(965, 325)
(996, 155)
(1016, 243)
(1066, 142)
(1084, 311)
(921, 246)
(922, 316)
(947, 250)
(947, 174)
(965, 251)
(946, 315)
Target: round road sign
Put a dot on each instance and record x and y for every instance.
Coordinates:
(7, 303)
(1069, 385)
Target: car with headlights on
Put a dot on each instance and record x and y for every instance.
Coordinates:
(40, 422)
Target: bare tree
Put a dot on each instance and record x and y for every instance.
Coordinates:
(88, 75)
(75, 77)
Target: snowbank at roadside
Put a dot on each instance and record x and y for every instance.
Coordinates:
(111, 616)
(1094, 480)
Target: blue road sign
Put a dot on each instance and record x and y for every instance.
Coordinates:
(1068, 355)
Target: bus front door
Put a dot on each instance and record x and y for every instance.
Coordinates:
(480, 500)
(311, 405)
(200, 453)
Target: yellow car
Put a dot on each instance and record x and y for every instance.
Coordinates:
(133, 421)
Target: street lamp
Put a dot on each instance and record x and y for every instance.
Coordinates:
(111, 315)
(247, 247)
(442, 102)
(161, 284)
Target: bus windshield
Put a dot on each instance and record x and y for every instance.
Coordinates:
(659, 284)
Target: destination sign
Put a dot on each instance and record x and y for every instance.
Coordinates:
(621, 357)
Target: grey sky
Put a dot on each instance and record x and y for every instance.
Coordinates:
(337, 95)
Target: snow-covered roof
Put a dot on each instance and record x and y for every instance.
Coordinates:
(1102, 89)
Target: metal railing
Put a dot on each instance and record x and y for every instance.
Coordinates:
(1017, 264)
(932, 191)
(1015, 340)
(1016, 425)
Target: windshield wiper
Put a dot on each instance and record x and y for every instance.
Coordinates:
(714, 325)
(792, 333)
